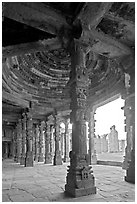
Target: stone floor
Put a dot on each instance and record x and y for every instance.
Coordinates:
(119, 156)
(45, 183)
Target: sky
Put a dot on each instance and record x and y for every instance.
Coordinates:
(108, 115)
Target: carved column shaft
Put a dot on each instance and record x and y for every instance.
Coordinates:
(23, 155)
(91, 126)
(66, 142)
(34, 132)
(19, 140)
(51, 140)
(36, 142)
(29, 141)
(48, 156)
(14, 144)
(80, 180)
(57, 156)
(129, 112)
(40, 158)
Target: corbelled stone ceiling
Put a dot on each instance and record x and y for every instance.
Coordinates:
(36, 58)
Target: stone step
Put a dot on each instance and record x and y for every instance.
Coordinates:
(110, 163)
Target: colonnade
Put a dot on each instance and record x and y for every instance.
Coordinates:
(40, 141)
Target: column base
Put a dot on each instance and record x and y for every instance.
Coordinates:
(66, 159)
(57, 159)
(79, 192)
(40, 158)
(29, 159)
(80, 179)
(22, 160)
(36, 158)
(18, 159)
(129, 165)
(130, 173)
(15, 158)
(48, 158)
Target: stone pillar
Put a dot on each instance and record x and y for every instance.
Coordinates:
(40, 158)
(15, 144)
(57, 156)
(51, 140)
(62, 144)
(19, 140)
(129, 112)
(48, 156)
(34, 145)
(91, 135)
(6, 150)
(23, 155)
(129, 161)
(29, 139)
(66, 142)
(36, 138)
(80, 179)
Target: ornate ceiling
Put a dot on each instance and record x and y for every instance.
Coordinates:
(36, 61)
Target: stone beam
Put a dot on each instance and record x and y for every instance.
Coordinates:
(15, 99)
(36, 15)
(104, 44)
(92, 13)
(25, 48)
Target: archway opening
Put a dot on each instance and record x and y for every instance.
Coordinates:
(110, 135)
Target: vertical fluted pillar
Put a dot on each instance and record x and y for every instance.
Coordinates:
(19, 140)
(80, 179)
(129, 112)
(36, 142)
(6, 150)
(91, 134)
(66, 141)
(40, 158)
(29, 150)
(34, 136)
(14, 145)
(48, 156)
(23, 155)
(57, 156)
(51, 140)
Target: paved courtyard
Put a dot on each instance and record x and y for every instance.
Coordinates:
(45, 183)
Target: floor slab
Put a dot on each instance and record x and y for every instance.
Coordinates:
(45, 183)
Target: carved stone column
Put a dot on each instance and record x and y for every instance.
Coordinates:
(48, 156)
(29, 139)
(14, 144)
(51, 140)
(19, 140)
(36, 142)
(34, 145)
(40, 158)
(57, 156)
(129, 112)
(66, 142)
(80, 179)
(91, 134)
(23, 154)
(6, 150)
